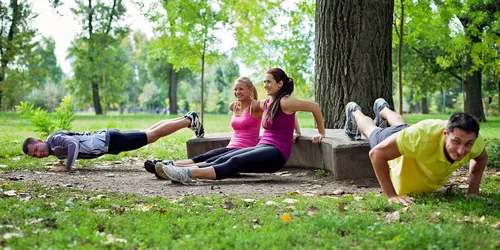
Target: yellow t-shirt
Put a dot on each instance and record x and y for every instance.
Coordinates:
(423, 166)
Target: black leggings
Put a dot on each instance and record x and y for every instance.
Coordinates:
(212, 155)
(125, 141)
(262, 158)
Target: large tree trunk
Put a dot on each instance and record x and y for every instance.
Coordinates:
(172, 94)
(473, 103)
(424, 109)
(400, 59)
(6, 50)
(353, 55)
(95, 87)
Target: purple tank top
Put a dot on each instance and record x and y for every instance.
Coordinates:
(280, 132)
(246, 130)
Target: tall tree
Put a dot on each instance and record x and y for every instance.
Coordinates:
(16, 44)
(472, 25)
(45, 69)
(188, 33)
(101, 24)
(352, 55)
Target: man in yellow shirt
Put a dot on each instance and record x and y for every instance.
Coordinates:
(418, 158)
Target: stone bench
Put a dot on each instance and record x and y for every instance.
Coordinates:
(345, 159)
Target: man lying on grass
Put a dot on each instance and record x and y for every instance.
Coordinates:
(419, 158)
(72, 145)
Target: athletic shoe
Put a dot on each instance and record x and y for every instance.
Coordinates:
(150, 166)
(159, 171)
(189, 116)
(196, 125)
(351, 128)
(378, 105)
(175, 174)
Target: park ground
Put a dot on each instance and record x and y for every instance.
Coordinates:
(113, 202)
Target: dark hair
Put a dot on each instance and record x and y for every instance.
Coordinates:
(28, 141)
(463, 121)
(287, 89)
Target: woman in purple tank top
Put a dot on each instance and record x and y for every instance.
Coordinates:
(245, 121)
(275, 146)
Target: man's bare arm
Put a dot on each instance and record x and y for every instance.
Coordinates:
(476, 170)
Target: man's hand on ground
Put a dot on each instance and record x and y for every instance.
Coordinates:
(59, 169)
(406, 201)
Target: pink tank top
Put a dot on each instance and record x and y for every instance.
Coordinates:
(280, 132)
(246, 130)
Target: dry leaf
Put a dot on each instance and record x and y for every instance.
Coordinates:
(312, 210)
(10, 193)
(34, 221)
(338, 192)
(290, 201)
(11, 235)
(496, 226)
(358, 198)
(227, 205)
(342, 207)
(286, 217)
(394, 216)
(295, 192)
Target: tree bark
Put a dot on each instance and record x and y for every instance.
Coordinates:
(172, 94)
(7, 51)
(95, 87)
(400, 59)
(424, 109)
(352, 56)
(473, 103)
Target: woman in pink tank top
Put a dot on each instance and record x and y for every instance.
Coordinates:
(245, 121)
(275, 146)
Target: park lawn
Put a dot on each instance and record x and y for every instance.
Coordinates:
(33, 216)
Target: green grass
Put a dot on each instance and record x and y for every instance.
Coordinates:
(39, 217)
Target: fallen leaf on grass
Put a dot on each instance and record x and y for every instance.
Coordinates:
(25, 199)
(342, 207)
(358, 198)
(394, 216)
(11, 235)
(111, 240)
(312, 210)
(270, 203)
(143, 208)
(290, 201)
(227, 205)
(295, 192)
(33, 222)
(286, 217)
(10, 193)
(256, 224)
(496, 225)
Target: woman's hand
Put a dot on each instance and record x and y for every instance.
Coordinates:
(296, 135)
(316, 139)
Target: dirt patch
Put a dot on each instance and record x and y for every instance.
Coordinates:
(130, 177)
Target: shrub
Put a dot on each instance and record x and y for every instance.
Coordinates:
(493, 149)
(43, 122)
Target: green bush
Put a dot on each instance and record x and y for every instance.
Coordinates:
(43, 122)
(493, 149)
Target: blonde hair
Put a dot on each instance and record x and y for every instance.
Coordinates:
(249, 84)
